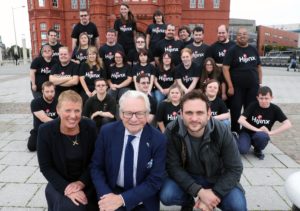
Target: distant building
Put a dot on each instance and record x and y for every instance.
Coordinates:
(63, 15)
(289, 27)
(275, 37)
(3, 48)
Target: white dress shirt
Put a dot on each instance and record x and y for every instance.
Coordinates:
(135, 143)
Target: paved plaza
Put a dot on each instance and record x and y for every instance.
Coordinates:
(22, 185)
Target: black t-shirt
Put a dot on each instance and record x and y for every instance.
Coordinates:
(187, 75)
(133, 56)
(165, 78)
(259, 117)
(186, 43)
(217, 107)
(167, 112)
(125, 32)
(93, 104)
(243, 64)
(65, 71)
(156, 32)
(43, 70)
(80, 55)
(39, 104)
(199, 53)
(91, 74)
(218, 50)
(148, 70)
(107, 53)
(117, 75)
(172, 46)
(55, 49)
(90, 29)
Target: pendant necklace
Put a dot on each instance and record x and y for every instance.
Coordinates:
(75, 141)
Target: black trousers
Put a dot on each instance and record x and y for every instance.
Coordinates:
(59, 202)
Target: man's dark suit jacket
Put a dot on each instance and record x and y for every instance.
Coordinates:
(150, 167)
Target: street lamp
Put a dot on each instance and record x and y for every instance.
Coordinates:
(13, 15)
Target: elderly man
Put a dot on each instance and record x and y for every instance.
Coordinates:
(129, 160)
(203, 161)
(243, 75)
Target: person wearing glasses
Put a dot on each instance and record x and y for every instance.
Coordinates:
(85, 25)
(133, 54)
(143, 83)
(128, 164)
(101, 107)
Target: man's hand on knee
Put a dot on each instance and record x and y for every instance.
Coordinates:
(209, 198)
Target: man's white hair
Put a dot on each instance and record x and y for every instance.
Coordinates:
(135, 95)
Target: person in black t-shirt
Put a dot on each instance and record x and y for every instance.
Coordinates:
(258, 120)
(169, 109)
(143, 67)
(143, 82)
(184, 33)
(218, 50)
(218, 108)
(198, 47)
(54, 44)
(126, 28)
(168, 44)
(211, 71)
(243, 74)
(43, 109)
(133, 54)
(85, 25)
(101, 107)
(80, 52)
(64, 74)
(108, 50)
(155, 31)
(164, 78)
(119, 76)
(89, 71)
(40, 69)
(187, 74)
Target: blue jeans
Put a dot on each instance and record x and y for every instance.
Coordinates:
(159, 96)
(172, 194)
(259, 140)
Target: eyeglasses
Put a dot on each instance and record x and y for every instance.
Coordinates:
(144, 83)
(129, 114)
(83, 15)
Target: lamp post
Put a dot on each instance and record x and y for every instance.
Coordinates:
(13, 15)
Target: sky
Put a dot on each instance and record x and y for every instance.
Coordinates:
(265, 12)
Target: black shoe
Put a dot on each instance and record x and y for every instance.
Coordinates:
(186, 208)
(259, 154)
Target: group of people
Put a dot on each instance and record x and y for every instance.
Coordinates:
(110, 121)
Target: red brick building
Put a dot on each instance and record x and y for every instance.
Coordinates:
(275, 37)
(62, 15)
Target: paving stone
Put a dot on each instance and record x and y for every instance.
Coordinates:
(271, 148)
(281, 191)
(37, 177)
(14, 194)
(4, 135)
(3, 144)
(21, 209)
(268, 162)
(244, 181)
(2, 167)
(3, 154)
(19, 135)
(16, 174)
(16, 158)
(33, 161)
(287, 161)
(264, 198)
(284, 172)
(39, 199)
(15, 146)
(245, 162)
(262, 176)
